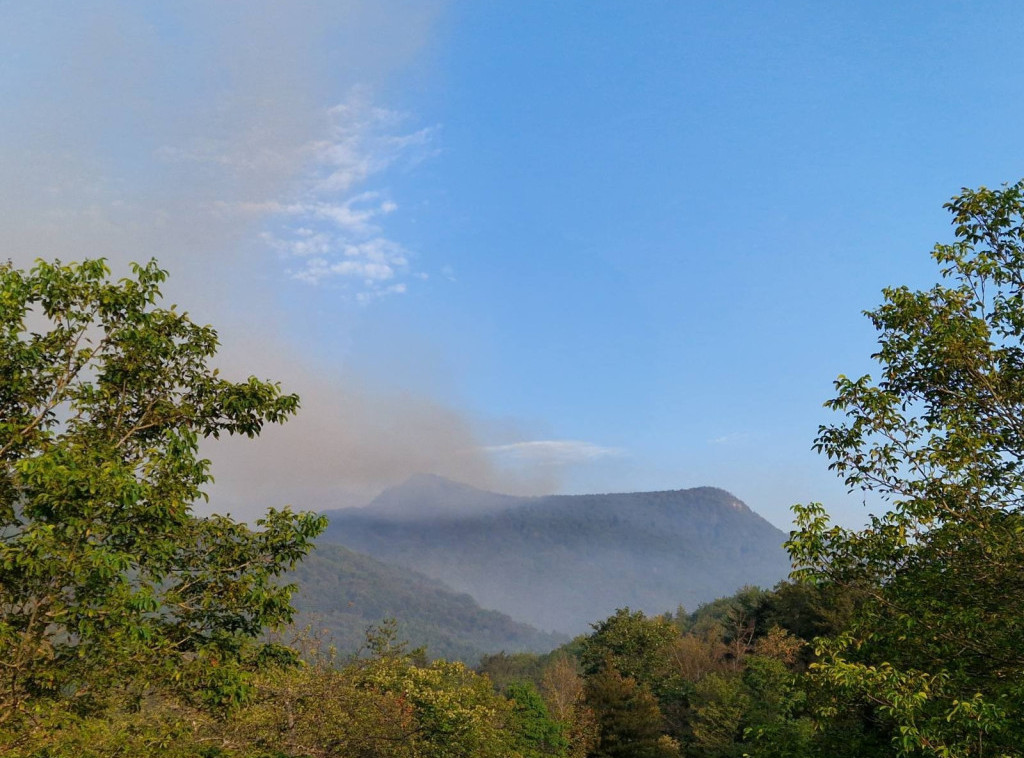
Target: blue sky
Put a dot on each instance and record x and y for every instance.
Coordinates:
(580, 246)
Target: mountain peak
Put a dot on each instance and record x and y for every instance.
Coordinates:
(421, 481)
(429, 496)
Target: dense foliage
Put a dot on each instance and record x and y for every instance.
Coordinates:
(727, 680)
(389, 704)
(109, 584)
(935, 648)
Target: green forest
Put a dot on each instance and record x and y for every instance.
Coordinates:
(130, 625)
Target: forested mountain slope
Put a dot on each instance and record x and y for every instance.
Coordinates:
(560, 562)
(342, 593)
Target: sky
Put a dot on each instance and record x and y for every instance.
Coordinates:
(536, 247)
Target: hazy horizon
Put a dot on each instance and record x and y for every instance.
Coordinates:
(535, 248)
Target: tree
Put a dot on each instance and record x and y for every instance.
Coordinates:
(563, 690)
(935, 647)
(720, 704)
(537, 734)
(109, 583)
(628, 717)
(635, 644)
(455, 712)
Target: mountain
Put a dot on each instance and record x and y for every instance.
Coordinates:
(342, 593)
(562, 562)
(426, 496)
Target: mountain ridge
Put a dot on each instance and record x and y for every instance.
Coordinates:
(562, 562)
(418, 484)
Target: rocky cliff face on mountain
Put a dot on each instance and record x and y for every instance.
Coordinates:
(563, 562)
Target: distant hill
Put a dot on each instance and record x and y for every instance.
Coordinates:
(563, 562)
(343, 593)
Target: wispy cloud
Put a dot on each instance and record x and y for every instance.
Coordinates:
(333, 227)
(329, 224)
(365, 141)
(554, 452)
(735, 438)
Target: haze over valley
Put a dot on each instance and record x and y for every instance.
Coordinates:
(561, 562)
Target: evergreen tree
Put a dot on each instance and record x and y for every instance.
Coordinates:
(629, 720)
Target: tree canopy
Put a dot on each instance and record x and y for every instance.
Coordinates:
(109, 582)
(935, 647)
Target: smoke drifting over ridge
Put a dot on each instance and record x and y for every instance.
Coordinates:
(137, 130)
(348, 442)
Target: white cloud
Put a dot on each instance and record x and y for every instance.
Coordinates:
(327, 226)
(332, 226)
(364, 143)
(553, 452)
(734, 438)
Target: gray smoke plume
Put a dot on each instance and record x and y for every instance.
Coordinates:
(209, 136)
